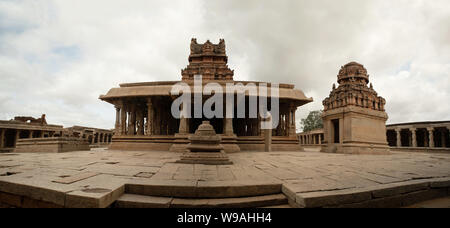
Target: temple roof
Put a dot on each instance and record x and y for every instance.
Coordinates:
(353, 72)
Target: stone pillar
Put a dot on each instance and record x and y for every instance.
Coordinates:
(399, 139)
(132, 121)
(2, 138)
(184, 122)
(320, 139)
(446, 136)
(292, 109)
(268, 136)
(431, 137)
(228, 122)
(30, 135)
(123, 120)
(443, 136)
(413, 136)
(118, 129)
(149, 117)
(140, 122)
(17, 136)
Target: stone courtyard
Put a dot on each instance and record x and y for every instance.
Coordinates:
(110, 178)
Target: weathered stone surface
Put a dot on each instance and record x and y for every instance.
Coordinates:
(11, 199)
(331, 198)
(141, 201)
(292, 173)
(399, 188)
(75, 178)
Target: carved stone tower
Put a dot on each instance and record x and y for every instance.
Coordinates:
(354, 117)
(208, 60)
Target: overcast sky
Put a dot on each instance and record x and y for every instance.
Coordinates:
(57, 57)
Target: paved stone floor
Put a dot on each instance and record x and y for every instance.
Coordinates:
(91, 174)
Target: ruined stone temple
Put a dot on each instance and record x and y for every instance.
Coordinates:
(25, 127)
(29, 134)
(354, 118)
(144, 120)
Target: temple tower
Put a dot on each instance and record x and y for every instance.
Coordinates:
(354, 117)
(208, 60)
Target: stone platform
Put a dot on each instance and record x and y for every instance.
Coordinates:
(108, 178)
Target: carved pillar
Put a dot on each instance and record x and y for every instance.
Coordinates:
(292, 110)
(447, 136)
(320, 139)
(118, 129)
(2, 138)
(184, 122)
(149, 117)
(399, 139)
(30, 135)
(431, 137)
(123, 120)
(132, 120)
(414, 137)
(140, 121)
(227, 123)
(443, 135)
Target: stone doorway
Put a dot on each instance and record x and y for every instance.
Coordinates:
(335, 131)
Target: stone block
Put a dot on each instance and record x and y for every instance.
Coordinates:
(31, 203)
(11, 199)
(331, 198)
(420, 196)
(393, 189)
(440, 183)
(140, 201)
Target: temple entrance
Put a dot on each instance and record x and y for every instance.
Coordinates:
(335, 131)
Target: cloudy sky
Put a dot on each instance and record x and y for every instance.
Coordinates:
(57, 57)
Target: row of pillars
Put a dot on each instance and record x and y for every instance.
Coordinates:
(429, 142)
(311, 139)
(130, 120)
(3, 142)
(101, 138)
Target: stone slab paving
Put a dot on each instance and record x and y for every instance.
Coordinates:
(96, 178)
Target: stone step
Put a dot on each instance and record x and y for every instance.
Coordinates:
(141, 201)
(211, 189)
(279, 206)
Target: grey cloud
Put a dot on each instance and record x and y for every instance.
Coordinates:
(99, 44)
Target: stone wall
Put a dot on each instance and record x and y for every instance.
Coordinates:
(51, 145)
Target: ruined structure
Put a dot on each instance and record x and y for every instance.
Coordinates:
(431, 136)
(24, 128)
(144, 120)
(96, 137)
(354, 117)
(51, 145)
(314, 137)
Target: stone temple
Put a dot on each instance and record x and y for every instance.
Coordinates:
(144, 120)
(354, 118)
